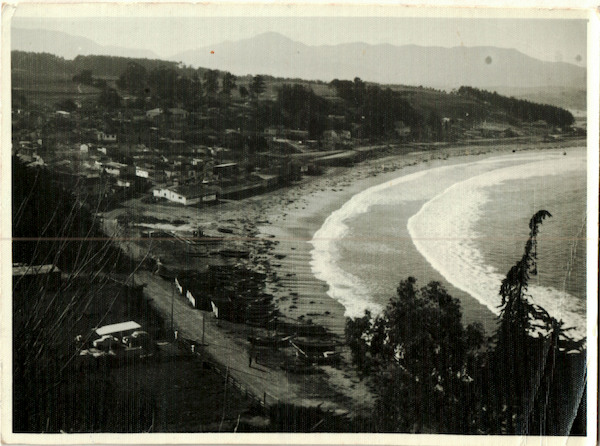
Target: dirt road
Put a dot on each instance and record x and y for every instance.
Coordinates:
(232, 351)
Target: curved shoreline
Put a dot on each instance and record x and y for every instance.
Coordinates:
(310, 205)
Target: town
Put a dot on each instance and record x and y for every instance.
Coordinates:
(169, 179)
(228, 138)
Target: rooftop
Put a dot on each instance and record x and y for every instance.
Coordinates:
(23, 270)
(116, 328)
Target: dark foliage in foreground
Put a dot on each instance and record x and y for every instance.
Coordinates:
(424, 371)
(292, 418)
(432, 375)
(49, 224)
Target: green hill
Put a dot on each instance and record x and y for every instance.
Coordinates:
(48, 79)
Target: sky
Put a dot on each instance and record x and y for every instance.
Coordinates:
(545, 39)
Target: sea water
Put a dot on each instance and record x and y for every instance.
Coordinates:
(464, 225)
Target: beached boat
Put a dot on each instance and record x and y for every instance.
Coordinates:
(328, 357)
(300, 329)
(269, 341)
(312, 345)
(300, 368)
(234, 253)
(259, 323)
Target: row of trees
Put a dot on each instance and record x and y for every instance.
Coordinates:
(171, 86)
(432, 374)
(521, 109)
(375, 108)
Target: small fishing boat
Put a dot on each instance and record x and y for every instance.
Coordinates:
(269, 341)
(300, 368)
(301, 329)
(328, 357)
(234, 253)
(312, 345)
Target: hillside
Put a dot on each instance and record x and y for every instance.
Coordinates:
(68, 46)
(309, 105)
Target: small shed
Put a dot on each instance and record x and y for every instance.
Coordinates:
(223, 308)
(119, 330)
(47, 276)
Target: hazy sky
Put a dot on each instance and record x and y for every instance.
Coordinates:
(552, 40)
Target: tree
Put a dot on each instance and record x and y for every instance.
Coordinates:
(192, 99)
(526, 339)
(109, 98)
(162, 82)
(302, 108)
(228, 83)
(211, 82)
(68, 105)
(422, 373)
(434, 121)
(243, 91)
(257, 86)
(360, 90)
(134, 79)
(344, 89)
(84, 77)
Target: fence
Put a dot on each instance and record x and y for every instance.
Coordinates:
(265, 400)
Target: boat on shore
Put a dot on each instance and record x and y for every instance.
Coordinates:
(323, 358)
(234, 253)
(312, 345)
(299, 329)
(269, 341)
(300, 368)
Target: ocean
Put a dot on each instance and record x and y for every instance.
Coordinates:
(464, 225)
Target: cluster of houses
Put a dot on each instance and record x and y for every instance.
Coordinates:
(171, 152)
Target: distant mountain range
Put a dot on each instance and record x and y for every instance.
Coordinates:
(274, 54)
(68, 46)
(277, 55)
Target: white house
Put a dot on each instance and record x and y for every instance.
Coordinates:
(141, 172)
(154, 113)
(106, 137)
(178, 113)
(113, 168)
(161, 192)
(187, 195)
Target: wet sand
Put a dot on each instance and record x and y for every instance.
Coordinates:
(276, 228)
(302, 210)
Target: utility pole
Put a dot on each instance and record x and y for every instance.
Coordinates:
(172, 303)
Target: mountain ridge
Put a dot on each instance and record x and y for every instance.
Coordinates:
(68, 46)
(484, 66)
(276, 55)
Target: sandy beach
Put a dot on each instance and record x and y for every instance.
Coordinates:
(276, 228)
(301, 211)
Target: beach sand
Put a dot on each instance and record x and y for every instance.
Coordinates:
(302, 210)
(276, 228)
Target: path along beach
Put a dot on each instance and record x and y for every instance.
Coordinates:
(291, 218)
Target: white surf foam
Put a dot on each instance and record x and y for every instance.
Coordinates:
(443, 232)
(345, 287)
(355, 295)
